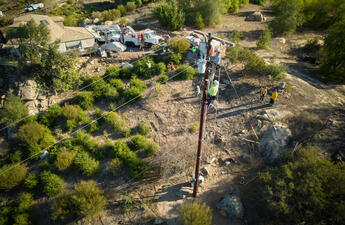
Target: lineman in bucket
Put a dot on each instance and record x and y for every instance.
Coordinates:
(212, 92)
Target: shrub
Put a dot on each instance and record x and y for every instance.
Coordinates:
(185, 72)
(135, 165)
(5, 214)
(138, 142)
(51, 116)
(253, 63)
(178, 45)
(142, 68)
(234, 53)
(35, 136)
(193, 128)
(99, 87)
(115, 121)
(144, 128)
(85, 99)
(93, 127)
(64, 159)
(131, 6)
(12, 110)
(115, 165)
(123, 21)
(236, 36)
(264, 40)
(158, 68)
(12, 177)
(111, 14)
(15, 156)
(117, 83)
(74, 115)
(86, 200)
(277, 71)
(112, 72)
(83, 139)
(163, 79)
(70, 112)
(199, 22)
(258, 2)
(139, 3)
(86, 164)
(169, 16)
(112, 94)
(52, 183)
(131, 93)
(22, 219)
(151, 148)
(195, 213)
(24, 201)
(31, 181)
(136, 82)
(44, 165)
(122, 9)
(126, 73)
(175, 58)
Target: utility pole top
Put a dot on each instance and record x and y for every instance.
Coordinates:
(215, 38)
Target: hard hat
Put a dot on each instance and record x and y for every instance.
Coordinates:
(197, 86)
(216, 83)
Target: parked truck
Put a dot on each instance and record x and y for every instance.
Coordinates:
(34, 7)
(105, 33)
(145, 38)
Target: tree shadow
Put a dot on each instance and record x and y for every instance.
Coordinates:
(238, 112)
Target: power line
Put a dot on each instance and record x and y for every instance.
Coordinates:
(86, 125)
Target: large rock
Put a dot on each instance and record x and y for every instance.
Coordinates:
(28, 90)
(231, 206)
(274, 142)
(256, 16)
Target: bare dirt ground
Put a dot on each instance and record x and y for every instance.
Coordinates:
(173, 110)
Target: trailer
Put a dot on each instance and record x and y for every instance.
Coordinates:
(34, 7)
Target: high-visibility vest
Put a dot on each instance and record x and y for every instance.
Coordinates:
(213, 90)
(263, 91)
(274, 95)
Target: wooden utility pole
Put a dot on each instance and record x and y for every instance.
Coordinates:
(202, 118)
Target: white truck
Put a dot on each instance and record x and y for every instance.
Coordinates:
(145, 38)
(33, 7)
(105, 33)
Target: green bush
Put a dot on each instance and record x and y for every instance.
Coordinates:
(93, 127)
(12, 177)
(151, 148)
(236, 36)
(303, 188)
(31, 181)
(158, 68)
(112, 72)
(178, 45)
(16, 156)
(52, 183)
(135, 165)
(163, 79)
(5, 214)
(112, 94)
(64, 159)
(144, 128)
(258, 2)
(99, 87)
(144, 67)
(195, 213)
(44, 165)
(175, 58)
(131, 93)
(136, 82)
(85, 99)
(277, 71)
(126, 73)
(51, 116)
(111, 14)
(118, 84)
(70, 112)
(86, 200)
(35, 136)
(138, 142)
(185, 72)
(199, 22)
(22, 219)
(264, 40)
(253, 64)
(85, 140)
(122, 9)
(115, 121)
(131, 6)
(169, 15)
(74, 116)
(24, 202)
(234, 53)
(12, 110)
(86, 164)
(115, 165)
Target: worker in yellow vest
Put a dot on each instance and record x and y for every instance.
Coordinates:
(212, 92)
(263, 93)
(274, 97)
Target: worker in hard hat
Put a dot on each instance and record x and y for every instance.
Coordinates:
(263, 93)
(274, 97)
(212, 92)
(197, 90)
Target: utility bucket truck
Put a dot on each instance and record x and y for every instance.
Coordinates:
(145, 38)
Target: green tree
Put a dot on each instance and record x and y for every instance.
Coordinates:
(333, 53)
(52, 183)
(178, 45)
(35, 136)
(169, 15)
(85, 200)
(195, 213)
(13, 110)
(289, 15)
(305, 188)
(264, 40)
(131, 6)
(11, 175)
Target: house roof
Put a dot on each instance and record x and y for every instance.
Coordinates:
(57, 32)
